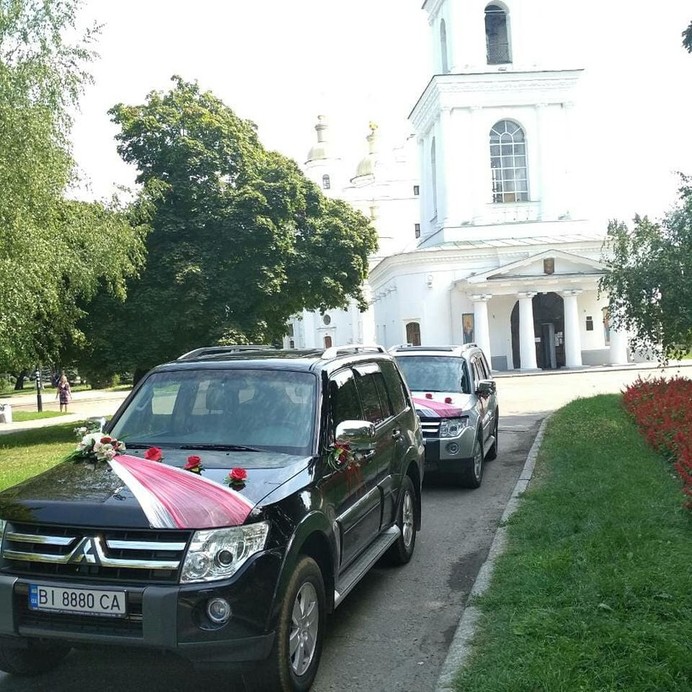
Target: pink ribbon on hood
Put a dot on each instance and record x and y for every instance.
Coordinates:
(172, 498)
(435, 409)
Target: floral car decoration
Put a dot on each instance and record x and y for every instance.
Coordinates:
(96, 447)
(340, 456)
(236, 478)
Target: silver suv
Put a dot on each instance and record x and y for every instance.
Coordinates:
(456, 399)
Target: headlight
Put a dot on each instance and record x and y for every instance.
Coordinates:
(219, 553)
(452, 427)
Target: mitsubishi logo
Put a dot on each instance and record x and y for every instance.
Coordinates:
(88, 551)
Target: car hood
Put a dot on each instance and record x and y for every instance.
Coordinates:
(442, 404)
(76, 493)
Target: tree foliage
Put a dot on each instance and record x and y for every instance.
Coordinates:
(649, 279)
(687, 38)
(54, 253)
(240, 239)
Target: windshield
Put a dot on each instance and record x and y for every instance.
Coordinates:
(435, 373)
(254, 409)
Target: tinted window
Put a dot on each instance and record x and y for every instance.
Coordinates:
(344, 400)
(372, 390)
(395, 386)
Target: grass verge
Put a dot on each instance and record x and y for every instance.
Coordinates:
(593, 590)
(30, 452)
(21, 416)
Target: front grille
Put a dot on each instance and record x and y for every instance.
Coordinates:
(430, 428)
(119, 555)
(128, 626)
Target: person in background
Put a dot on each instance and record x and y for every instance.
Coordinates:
(64, 393)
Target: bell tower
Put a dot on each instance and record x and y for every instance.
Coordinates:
(496, 125)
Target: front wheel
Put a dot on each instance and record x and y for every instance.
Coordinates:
(492, 452)
(401, 551)
(471, 472)
(36, 659)
(292, 664)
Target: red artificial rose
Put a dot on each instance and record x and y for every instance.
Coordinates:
(106, 440)
(238, 475)
(194, 464)
(153, 454)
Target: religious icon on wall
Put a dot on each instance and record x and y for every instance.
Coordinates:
(467, 325)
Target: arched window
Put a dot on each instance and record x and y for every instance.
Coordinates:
(326, 182)
(327, 341)
(433, 171)
(413, 333)
(508, 162)
(443, 47)
(497, 35)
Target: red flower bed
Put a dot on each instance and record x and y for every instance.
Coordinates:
(662, 410)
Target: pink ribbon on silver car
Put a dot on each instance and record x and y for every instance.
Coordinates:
(435, 409)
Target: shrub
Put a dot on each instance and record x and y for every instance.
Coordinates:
(661, 409)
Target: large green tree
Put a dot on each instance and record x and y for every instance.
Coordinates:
(649, 279)
(53, 252)
(240, 239)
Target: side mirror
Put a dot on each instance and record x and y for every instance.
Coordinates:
(486, 388)
(359, 434)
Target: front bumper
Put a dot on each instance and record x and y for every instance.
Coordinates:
(169, 617)
(444, 454)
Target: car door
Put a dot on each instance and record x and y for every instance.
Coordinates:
(378, 409)
(353, 491)
(487, 405)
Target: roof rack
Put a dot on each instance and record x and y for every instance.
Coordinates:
(450, 347)
(216, 350)
(335, 351)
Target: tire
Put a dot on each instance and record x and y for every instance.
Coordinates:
(295, 656)
(38, 658)
(401, 551)
(471, 472)
(492, 452)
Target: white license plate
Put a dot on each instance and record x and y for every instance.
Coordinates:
(82, 601)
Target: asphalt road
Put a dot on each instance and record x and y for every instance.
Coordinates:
(393, 631)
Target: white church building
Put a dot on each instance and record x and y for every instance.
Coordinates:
(483, 233)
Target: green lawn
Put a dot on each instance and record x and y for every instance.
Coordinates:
(26, 453)
(593, 591)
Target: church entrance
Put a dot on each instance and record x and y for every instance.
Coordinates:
(549, 328)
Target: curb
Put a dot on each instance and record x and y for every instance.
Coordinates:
(461, 647)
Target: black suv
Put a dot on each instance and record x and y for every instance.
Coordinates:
(456, 399)
(236, 497)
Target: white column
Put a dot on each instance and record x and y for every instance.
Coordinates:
(446, 151)
(572, 334)
(480, 323)
(618, 347)
(527, 335)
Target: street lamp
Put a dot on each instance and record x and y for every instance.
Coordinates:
(39, 402)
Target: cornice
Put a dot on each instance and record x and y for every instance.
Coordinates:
(492, 90)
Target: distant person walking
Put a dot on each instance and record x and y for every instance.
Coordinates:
(64, 393)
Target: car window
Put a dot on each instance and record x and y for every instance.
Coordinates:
(395, 387)
(344, 399)
(256, 408)
(435, 373)
(372, 390)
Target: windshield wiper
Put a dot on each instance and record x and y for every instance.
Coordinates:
(222, 448)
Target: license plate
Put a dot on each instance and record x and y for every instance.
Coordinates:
(82, 601)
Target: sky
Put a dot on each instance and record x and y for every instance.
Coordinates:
(280, 63)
